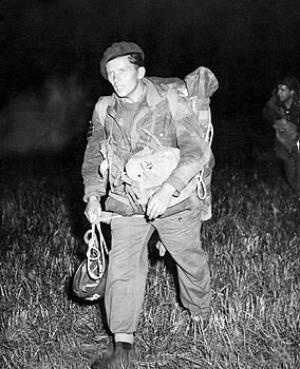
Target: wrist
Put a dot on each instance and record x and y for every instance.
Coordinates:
(93, 198)
(168, 189)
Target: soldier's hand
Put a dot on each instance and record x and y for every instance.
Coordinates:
(159, 201)
(93, 210)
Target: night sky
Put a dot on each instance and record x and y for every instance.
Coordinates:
(50, 52)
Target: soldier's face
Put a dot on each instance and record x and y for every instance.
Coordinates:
(284, 93)
(124, 75)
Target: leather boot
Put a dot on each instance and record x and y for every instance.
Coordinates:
(118, 359)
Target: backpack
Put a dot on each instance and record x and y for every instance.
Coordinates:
(201, 85)
(198, 87)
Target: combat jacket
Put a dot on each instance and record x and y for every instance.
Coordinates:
(274, 110)
(120, 130)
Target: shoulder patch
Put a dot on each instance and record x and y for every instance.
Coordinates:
(101, 107)
(99, 114)
(91, 129)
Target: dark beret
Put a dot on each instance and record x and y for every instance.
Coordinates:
(118, 49)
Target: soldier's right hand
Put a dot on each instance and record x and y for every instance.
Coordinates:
(93, 210)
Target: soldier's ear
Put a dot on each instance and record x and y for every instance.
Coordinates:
(141, 72)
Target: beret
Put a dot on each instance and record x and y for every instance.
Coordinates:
(118, 49)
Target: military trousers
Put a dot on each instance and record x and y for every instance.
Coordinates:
(291, 163)
(128, 266)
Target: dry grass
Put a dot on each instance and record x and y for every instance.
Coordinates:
(253, 247)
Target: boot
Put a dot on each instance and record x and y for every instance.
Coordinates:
(202, 321)
(118, 359)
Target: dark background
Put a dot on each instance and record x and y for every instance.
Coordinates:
(50, 52)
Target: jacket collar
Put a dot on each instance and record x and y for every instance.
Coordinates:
(153, 97)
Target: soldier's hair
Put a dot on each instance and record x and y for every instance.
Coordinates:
(290, 81)
(137, 59)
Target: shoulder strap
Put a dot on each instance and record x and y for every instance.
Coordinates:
(101, 107)
(172, 96)
(99, 114)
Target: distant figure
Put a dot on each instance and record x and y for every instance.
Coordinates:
(282, 111)
(148, 157)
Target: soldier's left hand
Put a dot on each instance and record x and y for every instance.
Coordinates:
(159, 201)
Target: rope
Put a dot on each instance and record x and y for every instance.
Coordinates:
(97, 248)
(96, 251)
(152, 136)
(201, 187)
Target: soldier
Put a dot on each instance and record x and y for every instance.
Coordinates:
(135, 121)
(282, 111)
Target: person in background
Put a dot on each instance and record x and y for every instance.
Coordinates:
(282, 111)
(136, 119)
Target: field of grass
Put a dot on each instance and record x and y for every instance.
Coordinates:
(253, 246)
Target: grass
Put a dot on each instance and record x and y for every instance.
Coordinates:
(253, 247)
